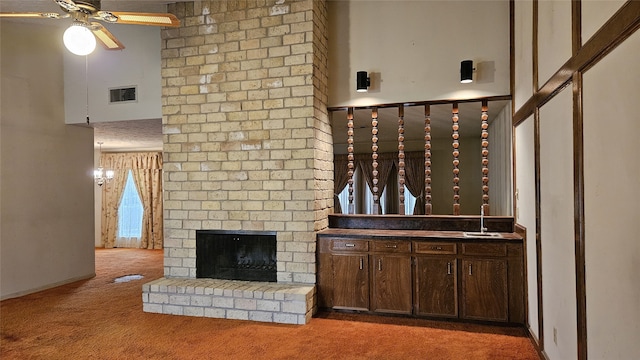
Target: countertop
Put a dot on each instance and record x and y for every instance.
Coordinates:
(413, 235)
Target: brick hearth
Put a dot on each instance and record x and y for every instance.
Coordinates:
(229, 299)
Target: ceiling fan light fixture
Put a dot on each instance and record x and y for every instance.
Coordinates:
(79, 39)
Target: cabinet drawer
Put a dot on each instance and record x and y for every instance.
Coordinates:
(484, 249)
(350, 245)
(434, 248)
(391, 246)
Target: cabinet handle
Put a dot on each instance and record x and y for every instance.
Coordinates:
(349, 245)
(380, 264)
(436, 248)
(361, 263)
(448, 268)
(391, 246)
(470, 270)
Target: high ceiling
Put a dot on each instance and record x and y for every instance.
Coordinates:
(113, 5)
(138, 135)
(143, 135)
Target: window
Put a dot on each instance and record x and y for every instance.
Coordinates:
(130, 213)
(344, 199)
(409, 202)
(363, 197)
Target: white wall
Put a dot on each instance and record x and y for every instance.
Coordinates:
(557, 227)
(612, 203)
(500, 163)
(46, 222)
(137, 65)
(414, 49)
(554, 37)
(595, 13)
(523, 52)
(525, 215)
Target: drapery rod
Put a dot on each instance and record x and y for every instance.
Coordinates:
(418, 103)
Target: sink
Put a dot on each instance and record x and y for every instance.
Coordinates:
(482, 234)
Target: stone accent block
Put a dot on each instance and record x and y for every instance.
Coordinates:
(285, 303)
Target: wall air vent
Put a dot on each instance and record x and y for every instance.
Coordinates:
(124, 94)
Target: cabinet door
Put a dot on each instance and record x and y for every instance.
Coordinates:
(391, 281)
(484, 289)
(436, 286)
(350, 282)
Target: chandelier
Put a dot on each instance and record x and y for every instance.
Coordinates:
(100, 175)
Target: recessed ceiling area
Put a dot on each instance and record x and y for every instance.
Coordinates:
(132, 135)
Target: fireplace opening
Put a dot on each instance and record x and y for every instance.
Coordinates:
(234, 255)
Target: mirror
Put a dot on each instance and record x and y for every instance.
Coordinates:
(390, 177)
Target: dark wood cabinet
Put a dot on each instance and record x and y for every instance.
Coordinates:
(484, 290)
(350, 282)
(436, 279)
(441, 277)
(391, 284)
(436, 286)
(349, 274)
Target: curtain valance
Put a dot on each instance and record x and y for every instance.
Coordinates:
(137, 160)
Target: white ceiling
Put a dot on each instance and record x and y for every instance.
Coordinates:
(112, 5)
(137, 135)
(133, 135)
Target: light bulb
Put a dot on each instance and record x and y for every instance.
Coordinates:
(79, 39)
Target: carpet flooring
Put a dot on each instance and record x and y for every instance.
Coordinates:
(102, 318)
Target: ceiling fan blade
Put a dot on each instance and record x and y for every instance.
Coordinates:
(105, 37)
(136, 18)
(34, 15)
(67, 5)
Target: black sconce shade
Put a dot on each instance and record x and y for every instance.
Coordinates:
(362, 81)
(466, 71)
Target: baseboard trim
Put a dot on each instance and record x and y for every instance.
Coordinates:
(536, 344)
(46, 287)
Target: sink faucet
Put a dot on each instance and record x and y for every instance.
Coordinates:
(482, 228)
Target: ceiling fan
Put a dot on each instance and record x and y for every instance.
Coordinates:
(80, 37)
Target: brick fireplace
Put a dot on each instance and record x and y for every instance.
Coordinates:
(247, 147)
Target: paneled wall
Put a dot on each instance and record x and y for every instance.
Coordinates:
(522, 52)
(556, 226)
(612, 203)
(577, 177)
(525, 213)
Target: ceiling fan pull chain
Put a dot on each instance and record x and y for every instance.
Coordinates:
(86, 81)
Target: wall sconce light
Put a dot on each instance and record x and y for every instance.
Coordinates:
(362, 81)
(466, 71)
